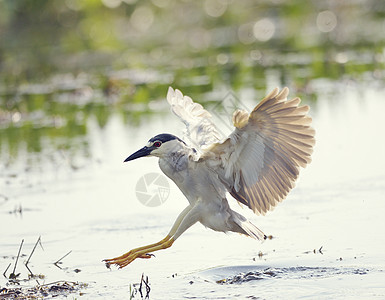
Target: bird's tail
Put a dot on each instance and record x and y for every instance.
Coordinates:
(253, 230)
(249, 228)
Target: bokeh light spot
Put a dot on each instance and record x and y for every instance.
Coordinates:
(255, 54)
(264, 29)
(245, 33)
(222, 58)
(112, 3)
(215, 8)
(142, 18)
(326, 21)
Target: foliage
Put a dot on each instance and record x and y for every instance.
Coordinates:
(64, 62)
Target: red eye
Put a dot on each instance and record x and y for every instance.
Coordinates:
(157, 144)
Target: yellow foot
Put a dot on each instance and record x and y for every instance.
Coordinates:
(142, 252)
(125, 259)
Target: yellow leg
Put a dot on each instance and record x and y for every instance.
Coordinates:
(142, 252)
(124, 256)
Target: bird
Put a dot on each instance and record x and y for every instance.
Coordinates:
(257, 164)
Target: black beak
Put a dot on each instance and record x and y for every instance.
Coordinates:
(140, 153)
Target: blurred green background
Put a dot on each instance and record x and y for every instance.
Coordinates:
(64, 62)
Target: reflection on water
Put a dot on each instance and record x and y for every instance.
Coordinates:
(119, 59)
(70, 113)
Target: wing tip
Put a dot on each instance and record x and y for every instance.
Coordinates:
(170, 94)
(173, 95)
(272, 94)
(283, 93)
(279, 95)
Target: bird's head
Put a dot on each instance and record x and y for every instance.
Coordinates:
(160, 146)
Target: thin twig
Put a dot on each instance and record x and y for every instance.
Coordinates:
(148, 289)
(29, 270)
(140, 286)
(17, 258)
(41, 244)
(33, 250)
(59, 260)
(4, 274)
(59, 281)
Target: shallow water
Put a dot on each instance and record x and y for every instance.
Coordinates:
(81, 88)
(327, 235)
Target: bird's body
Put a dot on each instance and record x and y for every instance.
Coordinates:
(201, 186)
(257, 164)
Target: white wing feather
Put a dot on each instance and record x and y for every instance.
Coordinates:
(201, 131)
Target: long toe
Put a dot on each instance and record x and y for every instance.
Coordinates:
(146, 256)
(123, 260)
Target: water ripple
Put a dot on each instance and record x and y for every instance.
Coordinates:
(292, 273)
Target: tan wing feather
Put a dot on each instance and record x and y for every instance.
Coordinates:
(279, 132)
(284, 126)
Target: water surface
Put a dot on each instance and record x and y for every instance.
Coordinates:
(82, 86)
(327, 239)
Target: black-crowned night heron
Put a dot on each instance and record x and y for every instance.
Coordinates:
(257, 164)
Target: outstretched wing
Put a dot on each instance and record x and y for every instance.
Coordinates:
(201, 131)
(259, 162)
